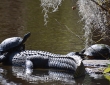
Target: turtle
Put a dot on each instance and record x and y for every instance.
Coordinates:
(13, 43)
(97, 51)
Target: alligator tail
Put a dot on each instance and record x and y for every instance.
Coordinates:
(80, 71)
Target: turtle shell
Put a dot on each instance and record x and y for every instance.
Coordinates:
(97, 50)
(10, 43)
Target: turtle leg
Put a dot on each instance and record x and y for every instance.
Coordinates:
(29, 67)
(2, 57)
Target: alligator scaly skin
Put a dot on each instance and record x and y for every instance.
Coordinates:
(41, 59)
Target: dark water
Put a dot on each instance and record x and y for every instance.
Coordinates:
(18, 17)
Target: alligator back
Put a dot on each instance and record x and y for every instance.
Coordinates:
(19, 58)
(42, 59)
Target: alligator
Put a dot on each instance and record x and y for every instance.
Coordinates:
(13, 53)
(41, 59)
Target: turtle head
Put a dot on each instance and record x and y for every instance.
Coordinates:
(26, 36)
(21, 46)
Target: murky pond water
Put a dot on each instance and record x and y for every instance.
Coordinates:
(18, 17)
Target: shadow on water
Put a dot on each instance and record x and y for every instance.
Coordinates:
(18, 17)
(17, 75)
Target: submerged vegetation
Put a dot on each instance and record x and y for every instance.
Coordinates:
(95, 15)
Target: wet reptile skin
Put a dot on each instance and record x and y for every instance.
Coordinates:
(41, 59)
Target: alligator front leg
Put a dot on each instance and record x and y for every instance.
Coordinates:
(29, 66)
(35, 62)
